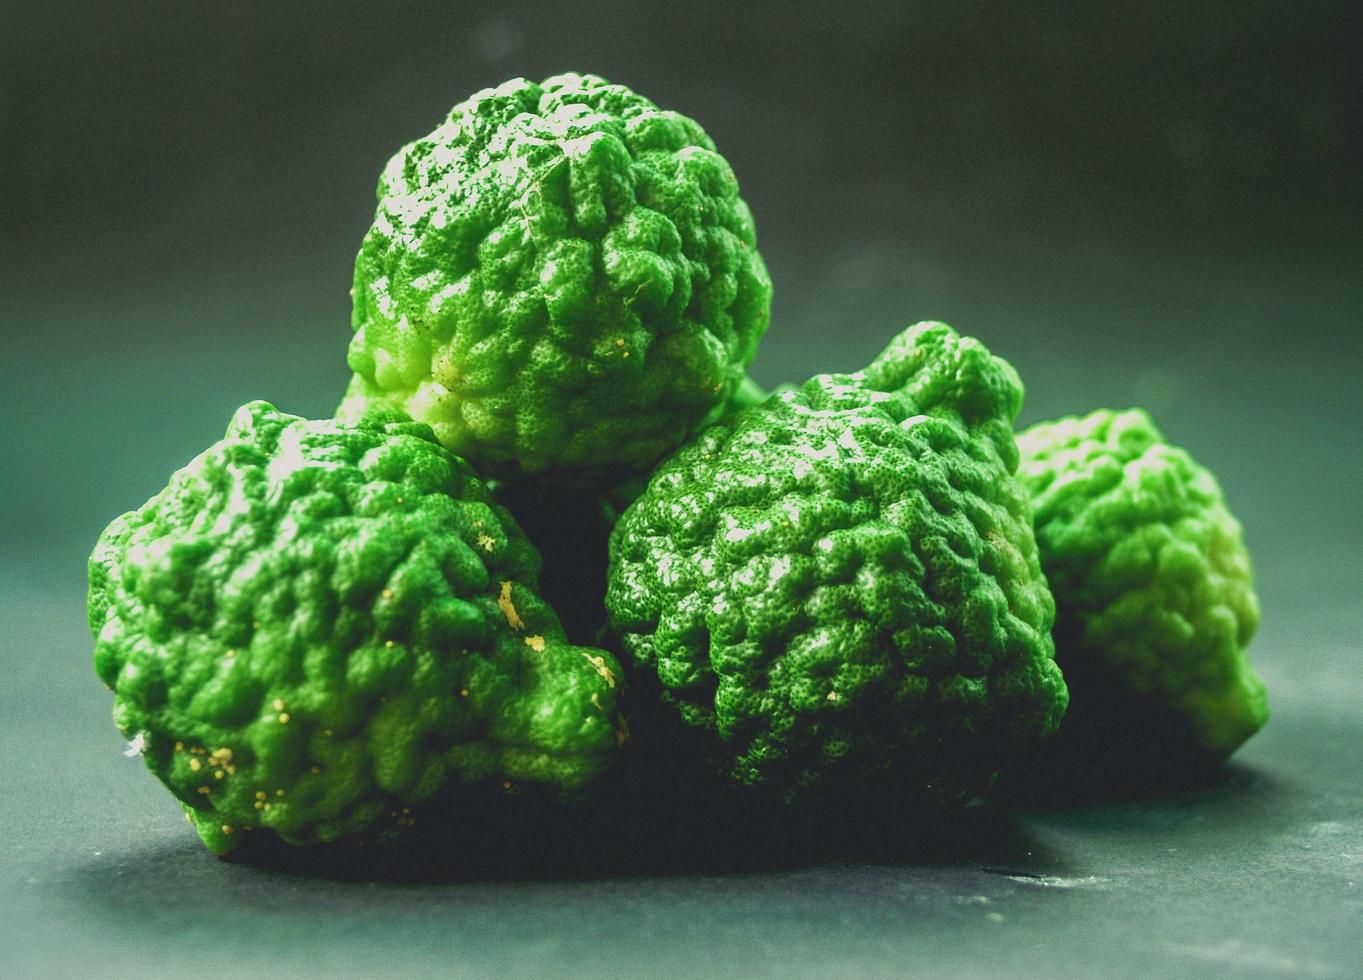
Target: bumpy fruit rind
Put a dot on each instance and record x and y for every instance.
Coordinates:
(316, 625)
(843, 579)
(1153, 584)
(561, 276)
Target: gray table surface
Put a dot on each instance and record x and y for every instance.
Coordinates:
(1250, 361)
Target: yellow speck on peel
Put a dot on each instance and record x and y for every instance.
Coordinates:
(328, 732)
(179, 746)
(508, 608)
(220, 756)
(832, 695)
(219, 774)
(624, 353)
(278, 704)
(599, 663)
(260, 805)
(261, 794)
(279, 792)
(231, 769)
(463, 692)
(195, 764)
(188, 819)
(485, 542)
(619, 341)
(506, 784)
(283, 717)
(535, 643)
(204, 790)
(401, 501)
(226, 828)
(388, 644)
(231, 654)
(315, 770)
(388, 593)
(596, 700)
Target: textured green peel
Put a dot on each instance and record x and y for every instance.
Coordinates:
(318, 625)
(843, 578)
(1153, 584)
(561, 276)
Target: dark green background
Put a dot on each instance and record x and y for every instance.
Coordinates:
(1135, 202)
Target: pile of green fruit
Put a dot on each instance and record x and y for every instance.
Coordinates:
(554, 520)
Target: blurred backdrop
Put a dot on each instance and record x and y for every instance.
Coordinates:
(1135, 202)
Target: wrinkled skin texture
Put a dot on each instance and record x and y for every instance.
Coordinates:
(561, 277)
(316, 626)
(842, 580)
(1154, 588)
